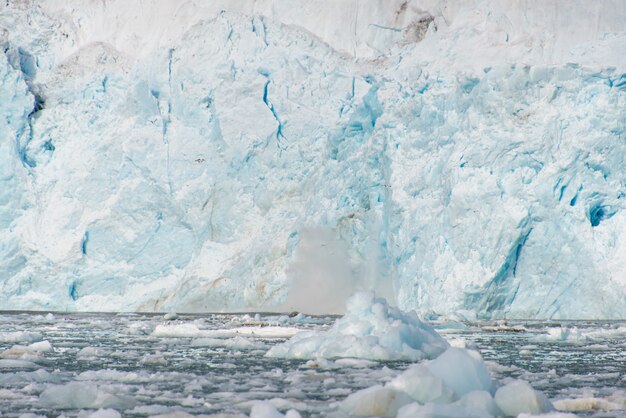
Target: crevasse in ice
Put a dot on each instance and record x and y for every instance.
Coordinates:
(223, 157)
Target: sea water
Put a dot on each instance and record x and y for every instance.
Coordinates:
(143, 364)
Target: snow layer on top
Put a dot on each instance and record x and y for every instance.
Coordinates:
(452, 30)
(177, 157)
(371, 329)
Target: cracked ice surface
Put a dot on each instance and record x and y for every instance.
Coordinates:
(232, 161)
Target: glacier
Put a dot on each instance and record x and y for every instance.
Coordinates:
(463, 158)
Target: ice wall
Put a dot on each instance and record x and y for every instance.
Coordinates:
(454, 156)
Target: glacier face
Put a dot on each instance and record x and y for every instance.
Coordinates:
(454, 157)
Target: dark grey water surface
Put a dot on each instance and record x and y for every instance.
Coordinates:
(148, 375)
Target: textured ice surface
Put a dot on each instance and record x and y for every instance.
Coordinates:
(370, 329)
(454, 156)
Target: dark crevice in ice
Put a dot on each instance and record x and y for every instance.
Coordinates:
(24, 62)
(385, 27)
(279, 129)
(166, 114)
(598, 213)
(502, 289)
(262, 32)
(572, 202)
(73, 291)
(84, 242)
(360, 125)
(48, 146)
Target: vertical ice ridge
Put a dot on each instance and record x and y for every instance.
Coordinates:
(84, 242)
(26, 64)
(501, 290)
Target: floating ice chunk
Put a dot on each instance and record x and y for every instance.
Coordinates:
(102, 413)
(21, 352)
(612, 403)
(598, 347)
(192, 331)
(31, 352)
(283, 404)
(416, 410)
(462, 370)
(457, 373)
(549, 415)
(578, 335)
(82, 395)
(371, 329)
(8, 394)
(17, 364)
(267, 410)
(161, 411)
(460, 342)
(182, 414)
(170, 316)
(563, 334)
(236, 343)
(264, 410)
(139, 328)
(480, 400)
(20, 337)
(112, 375)
(260, 332)
(375, 401)
(321, 363)
(420, 384)
(177, 330)
(356, 363)
(90, 352)
(156, 359)
(41, 346)
(519, 397)
(455, 384)
(22, 377)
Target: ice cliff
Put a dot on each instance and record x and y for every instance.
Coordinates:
(453, 156)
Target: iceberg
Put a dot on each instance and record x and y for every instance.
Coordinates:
(248, 156)
(370, 329)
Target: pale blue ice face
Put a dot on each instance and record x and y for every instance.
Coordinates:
(188, 178)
